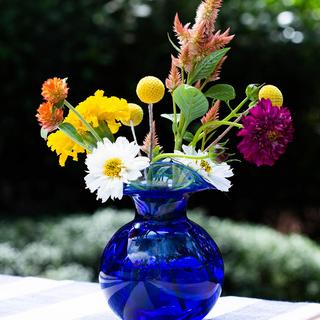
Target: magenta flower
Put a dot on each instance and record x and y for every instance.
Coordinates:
(266, 133)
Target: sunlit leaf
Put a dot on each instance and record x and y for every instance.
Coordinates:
(170, 116)
(191, 101)
(223, 92)
(71, 131)
(103, 131)
(44, 133)
(188, 136)
(206, 67)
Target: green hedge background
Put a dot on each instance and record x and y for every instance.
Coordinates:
(259, 262)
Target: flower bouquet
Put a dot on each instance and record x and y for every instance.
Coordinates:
(162, 265)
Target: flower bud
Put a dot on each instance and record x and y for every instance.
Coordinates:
(273, 93)
(136, 115)
(252, 92)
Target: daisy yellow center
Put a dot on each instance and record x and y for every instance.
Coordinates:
(113, 167)
(205, 166)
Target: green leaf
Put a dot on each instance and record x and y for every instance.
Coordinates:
(89, 139)
(103, 131)
(156, 150)
(188, 136)
(172, 43)
(206, 66)
(252, 91)
(223, 92)
(44, 133)
(191, 101)
(170, 116)
(71, 132)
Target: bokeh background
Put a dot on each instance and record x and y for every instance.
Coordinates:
(110, 45)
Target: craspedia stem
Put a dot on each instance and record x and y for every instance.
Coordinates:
(150, 109)
(134, 135)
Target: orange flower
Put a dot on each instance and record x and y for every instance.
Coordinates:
(49, 117)
(55, 90)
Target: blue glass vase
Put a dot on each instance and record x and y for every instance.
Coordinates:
(161, 265)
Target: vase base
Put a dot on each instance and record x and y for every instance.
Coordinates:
(158, 300)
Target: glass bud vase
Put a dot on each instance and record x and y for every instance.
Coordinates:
(161, 265)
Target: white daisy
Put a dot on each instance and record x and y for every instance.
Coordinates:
(110, 165)
(214, 173)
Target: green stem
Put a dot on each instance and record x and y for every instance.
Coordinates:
(81, 144)
(204, 84)
(180, 133)
(228, 129)
(174, 155)
(134, 135)
(203, 140)
(85, 123)
(222, 134)
(209, 137)
(150, 109)
(177, 143)
(174, 117)
(234, 112)
(181, 123)
(216, 124)
(225, 121)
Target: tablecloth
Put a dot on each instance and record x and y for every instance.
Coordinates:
(31, 298)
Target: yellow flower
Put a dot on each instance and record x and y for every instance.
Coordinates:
(100, 108)
(64, 147)
(150, 90)
(136, 115)
(94, 109)
(273, 93)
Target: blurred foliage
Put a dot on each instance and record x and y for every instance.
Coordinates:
(110, 45)
(259, 261)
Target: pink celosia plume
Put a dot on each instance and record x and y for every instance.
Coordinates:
(207, 12)
(174, 78)
(147, 140)
(201, 40)
(216, 73)
(212, 114)
(182, 32)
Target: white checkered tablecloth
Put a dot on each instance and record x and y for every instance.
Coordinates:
(43, 299)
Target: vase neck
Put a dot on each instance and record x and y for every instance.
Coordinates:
(165, 207)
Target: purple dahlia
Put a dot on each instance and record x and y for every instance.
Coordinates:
(267, 131)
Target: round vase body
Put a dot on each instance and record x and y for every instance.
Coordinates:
(161, 265)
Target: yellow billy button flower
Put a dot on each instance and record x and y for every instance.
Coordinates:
(150, 90)
(273, 93)
(136, 115)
